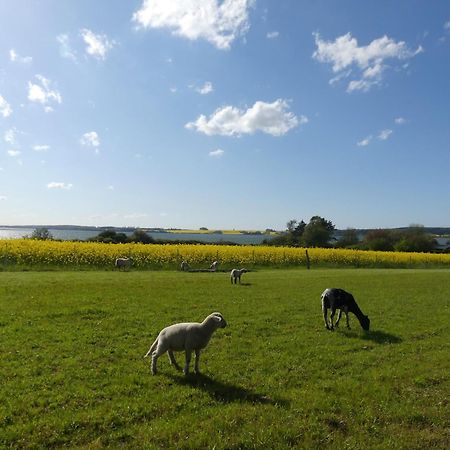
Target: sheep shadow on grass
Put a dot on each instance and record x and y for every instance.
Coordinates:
(378, 336)
(226, 392)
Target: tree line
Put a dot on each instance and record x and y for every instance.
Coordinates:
(320, 232)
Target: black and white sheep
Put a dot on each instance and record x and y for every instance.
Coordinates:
(213, 267)
(235, 275)
(334, 298)
(185, 337)
(184, 267)
(123, 263)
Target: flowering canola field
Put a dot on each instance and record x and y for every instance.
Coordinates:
(27, 253)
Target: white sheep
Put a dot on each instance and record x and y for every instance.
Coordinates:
(185, 337)
(123, 263)
(235, 275)
(333, 299)
(184, 266)
(214, 266)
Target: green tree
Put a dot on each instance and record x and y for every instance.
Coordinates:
(380, 240)
(141, 236)
(318, 232)
(349, 238)
(415, 239)
(41, 234)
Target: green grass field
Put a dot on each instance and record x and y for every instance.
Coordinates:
(73, 375)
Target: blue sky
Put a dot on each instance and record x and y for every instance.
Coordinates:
(226, 114)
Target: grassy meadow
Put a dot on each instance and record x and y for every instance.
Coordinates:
(73, 373)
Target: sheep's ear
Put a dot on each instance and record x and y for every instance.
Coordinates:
(217, 318)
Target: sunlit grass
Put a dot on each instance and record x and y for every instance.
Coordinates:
(73, 374)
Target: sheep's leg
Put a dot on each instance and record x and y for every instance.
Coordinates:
(346, 316)
(197, 360)
(188, 361)
(155, 357)
(333, 312)
(338, 319)
(231, 279)
(325, 318)
(173, 360)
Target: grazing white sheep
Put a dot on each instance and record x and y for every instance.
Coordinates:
(123, 263)
(185, 337)
(333, 299)
(214, 266)
(235, 275)
(184, 266)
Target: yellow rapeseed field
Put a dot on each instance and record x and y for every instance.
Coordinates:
(64, 254)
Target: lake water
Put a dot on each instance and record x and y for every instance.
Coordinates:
(80, 234)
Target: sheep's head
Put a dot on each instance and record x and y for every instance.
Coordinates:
(365, 322)
(218, 319)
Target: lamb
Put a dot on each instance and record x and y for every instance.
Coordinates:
(123, 263)
(333, 299)
(214, 265)
(185, 266)
(185, 337)
(235, 275)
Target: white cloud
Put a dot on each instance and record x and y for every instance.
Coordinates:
(42, 93)
(65, 48)
(90, 139)
(447, 25)
(3, 197)
(385, 134)
(400, 120)
(59, 185)
(15, 57)
(272, 34)
(41, 148)
(97, 45)
(364, 142)
(218, 23)
(270, 118)
(10, 136)
(207, 88)
(135, 216)
(5, 108)
(216, 153)
(369, 61)
(13, 153)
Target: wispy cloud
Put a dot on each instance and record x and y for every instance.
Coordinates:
(65, 48)
(364, 142)
(400, 121)
(218, 23)
(272, 34)
(90, 139)
(15, 57)
(10, 136)
(13, 153)
(385, 134)
(41, 148)
(5, 108)
(97, 45)
(41, 92)
(270, 118)
(217, 153)
(207, 88)
(59, 185)
(369, 62)
(3, 197)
